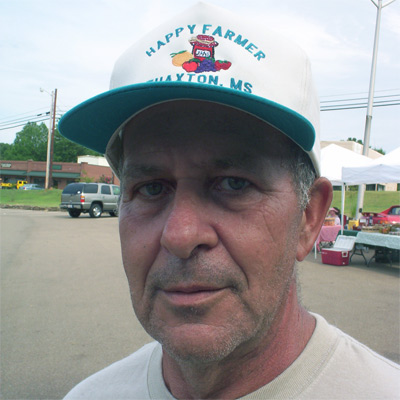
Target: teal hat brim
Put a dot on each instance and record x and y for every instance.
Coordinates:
(93, 122)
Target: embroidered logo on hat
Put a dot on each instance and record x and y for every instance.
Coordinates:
(202, 57)
(205, 53)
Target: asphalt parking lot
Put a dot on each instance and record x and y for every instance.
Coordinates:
(66, 312)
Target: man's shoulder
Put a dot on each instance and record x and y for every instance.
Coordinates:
(359, 362)
(354, 370)
(334, 365)
(349, 349)
(126, 378)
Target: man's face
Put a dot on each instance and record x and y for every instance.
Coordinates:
(209, 226)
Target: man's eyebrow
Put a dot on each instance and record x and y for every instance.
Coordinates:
(242, 160)
(132, 170)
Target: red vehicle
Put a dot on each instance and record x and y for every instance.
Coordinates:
(389, 216)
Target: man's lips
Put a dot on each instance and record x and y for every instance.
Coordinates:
(191, 295)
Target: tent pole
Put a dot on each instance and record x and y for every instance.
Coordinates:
(343, 196)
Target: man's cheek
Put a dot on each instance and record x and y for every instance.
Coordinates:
(138, 255)
(135, 263)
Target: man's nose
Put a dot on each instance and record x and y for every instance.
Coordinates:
(188, 227)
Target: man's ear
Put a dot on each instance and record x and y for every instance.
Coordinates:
(313, 216)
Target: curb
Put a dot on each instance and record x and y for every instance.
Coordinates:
(32, 208)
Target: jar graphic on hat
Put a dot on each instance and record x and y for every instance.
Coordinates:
(203, 46)
(202, 57)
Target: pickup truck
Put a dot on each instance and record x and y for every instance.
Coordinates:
(9, 185)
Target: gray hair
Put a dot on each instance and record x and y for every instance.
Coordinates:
(303, 174)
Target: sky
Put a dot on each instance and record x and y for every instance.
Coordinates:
(72, 45)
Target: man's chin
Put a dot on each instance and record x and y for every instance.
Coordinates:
(199, 343)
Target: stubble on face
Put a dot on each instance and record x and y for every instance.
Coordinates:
(245, 313)
(241, 333)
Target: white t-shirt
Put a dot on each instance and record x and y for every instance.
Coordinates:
(333, 365)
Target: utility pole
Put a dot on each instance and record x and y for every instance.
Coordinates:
(53, 127)
(368, 120)
(50, 139)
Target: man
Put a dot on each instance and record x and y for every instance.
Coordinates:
(212, 127)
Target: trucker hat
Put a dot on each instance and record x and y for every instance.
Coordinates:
(205, 53)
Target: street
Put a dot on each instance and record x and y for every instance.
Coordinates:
(66, 311)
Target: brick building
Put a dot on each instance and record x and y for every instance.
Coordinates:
(62, 173)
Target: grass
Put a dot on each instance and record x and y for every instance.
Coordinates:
(373, 201)
(34, 198)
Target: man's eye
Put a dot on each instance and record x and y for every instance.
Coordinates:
(151, 189)
(232, 183)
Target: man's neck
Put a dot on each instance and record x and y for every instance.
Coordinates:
(239, 376)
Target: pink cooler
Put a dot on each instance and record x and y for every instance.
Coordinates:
(340, 253)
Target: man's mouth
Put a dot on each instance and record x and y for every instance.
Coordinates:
(193, 295)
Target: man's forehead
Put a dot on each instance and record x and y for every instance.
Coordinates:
(141, 164)
(181, 122)
(205, 136)
(203, 161)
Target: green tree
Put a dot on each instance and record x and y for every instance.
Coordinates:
(380, 150)
(354, 140)
(67, 151)
(6, 151)
(361, 142)
(31, 144)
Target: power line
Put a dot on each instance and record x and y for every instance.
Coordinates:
(351, 107)
(32, 118)
(24, 113)
(359, 98)
(23, 123)
(354, 103)
(25, 118)
(359, 93)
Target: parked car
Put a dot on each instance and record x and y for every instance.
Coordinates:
(92, 198)
(31, 186)
(389, 216)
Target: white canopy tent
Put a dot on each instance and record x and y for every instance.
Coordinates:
(384, 169)
(333, 159)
